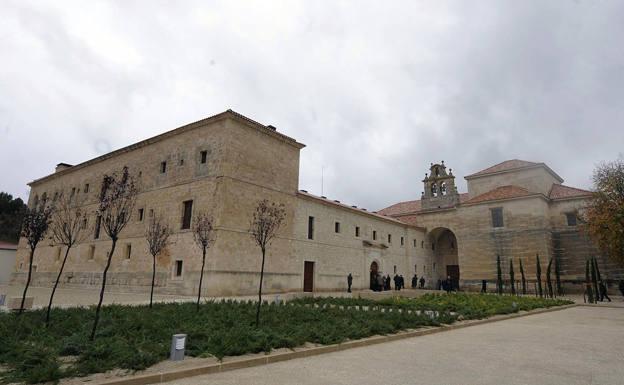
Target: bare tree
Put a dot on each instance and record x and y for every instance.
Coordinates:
(157, 235)
(34, 228)
(203, 233)
(69, 224)
(267, 219)
(116, 202)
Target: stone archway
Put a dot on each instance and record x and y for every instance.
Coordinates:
(445, 259)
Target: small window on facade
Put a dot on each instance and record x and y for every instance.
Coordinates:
(497, 217)
(73, 191)
(374, 235)
(310, 227)
(128, 250)
(394, 269)
(181, 162)
(91, 251)
(140, 215)
(204, 156)
(402, 241)
(98, 222)
(571, 218)
(86, 188)
(433, 246)
(414, 243)
(422, 244)
(357, 231)
(178, 268)
(337, 227)
(186, 217)
(415, 268)
(389, 238)
(434, 267)
(163, 167)
(84, 223)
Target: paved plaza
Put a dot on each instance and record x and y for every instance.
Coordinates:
(582, 345)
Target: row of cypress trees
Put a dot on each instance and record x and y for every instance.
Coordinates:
(550, 292)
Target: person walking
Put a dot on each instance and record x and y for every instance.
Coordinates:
(484, 286)
(603, 292)
(439, 284)
(414, 281)
(349, 282)
(449, 284)
(422, 282)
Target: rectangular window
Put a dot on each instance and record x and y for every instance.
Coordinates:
(357, 231)
(178, 268)
(422, 244)
(73, 191)
(337, 227)
(188, 211)
(86, 188)
(414, 243)
(402, 241)
(571, 218)
(163, 167)
(140, 215)
(204, 156)
(310, 227)
(91, 251)
(98, 222)
(389, 238)
(394, 269)
(374, 235)
(497, 217)
(128, 250)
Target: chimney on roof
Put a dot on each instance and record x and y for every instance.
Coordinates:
(323, 196)
(272, 127)
(305, 191)
(336, 201)
(61, 167)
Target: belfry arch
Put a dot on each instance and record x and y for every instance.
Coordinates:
(445, 256)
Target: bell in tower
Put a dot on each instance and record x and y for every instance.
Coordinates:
(440, 190)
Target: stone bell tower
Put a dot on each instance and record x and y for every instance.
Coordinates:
(440, 190)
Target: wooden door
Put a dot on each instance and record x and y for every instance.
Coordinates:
(308, 276)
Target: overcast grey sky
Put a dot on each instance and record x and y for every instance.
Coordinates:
(376, 90)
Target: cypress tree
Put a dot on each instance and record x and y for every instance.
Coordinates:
(538, 272)
(499, 276)
(588, 286)
(558, 276)
(511, 277)
(594, 279)
(523, 278)
(548, 280)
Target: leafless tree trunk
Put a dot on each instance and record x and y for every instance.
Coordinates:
(68, 227)
(116, 202)
(157, 235)
(266, 221)
(204, 237)
(34, 228)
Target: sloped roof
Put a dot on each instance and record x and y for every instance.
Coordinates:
(8, 246)
(503, 192)
(511, 165)
(559, 191)
(414, 206)
(363, 211)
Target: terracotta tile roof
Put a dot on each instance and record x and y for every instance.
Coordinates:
(407, 207)
(8, 246)
(507, 165)
(503, 192)
(559, 191)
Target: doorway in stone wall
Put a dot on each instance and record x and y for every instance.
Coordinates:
(445, 262)
(374, 269)
(308, 276)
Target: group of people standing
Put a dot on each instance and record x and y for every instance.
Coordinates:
(379, 282)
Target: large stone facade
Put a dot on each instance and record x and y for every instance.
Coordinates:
(226, 163)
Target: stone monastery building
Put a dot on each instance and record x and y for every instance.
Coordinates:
(225, 164)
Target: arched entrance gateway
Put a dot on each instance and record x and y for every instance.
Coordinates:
(445, 261)
(374, 269)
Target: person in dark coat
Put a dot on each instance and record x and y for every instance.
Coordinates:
(622, 287)
(440, 284)
(388, 285)
(402, 281)
(422, 282)
(349, 282)
(603, 292)
(414, 281)
(484, 286)
(396, 282)
(449, 284)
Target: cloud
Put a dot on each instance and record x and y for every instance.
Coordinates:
(376, 91)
